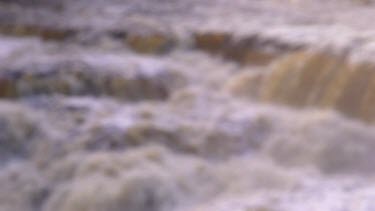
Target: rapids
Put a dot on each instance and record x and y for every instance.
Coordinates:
(189, 105)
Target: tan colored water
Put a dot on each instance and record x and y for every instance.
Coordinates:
(186, 105)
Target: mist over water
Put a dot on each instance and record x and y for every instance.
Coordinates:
(187, 105)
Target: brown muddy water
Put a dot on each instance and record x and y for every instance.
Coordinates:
(175, 105)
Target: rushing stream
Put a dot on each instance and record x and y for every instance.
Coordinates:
(187, 105)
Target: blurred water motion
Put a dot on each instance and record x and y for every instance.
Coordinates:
(187, 105)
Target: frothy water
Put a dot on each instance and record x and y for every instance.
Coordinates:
(162, 112)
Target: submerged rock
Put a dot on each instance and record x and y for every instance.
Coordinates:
(154, 43)
(146, 36)
(212, 42)
(44, 32)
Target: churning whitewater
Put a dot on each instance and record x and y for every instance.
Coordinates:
(190, 105)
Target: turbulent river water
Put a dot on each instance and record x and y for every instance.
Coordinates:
(192, 105)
